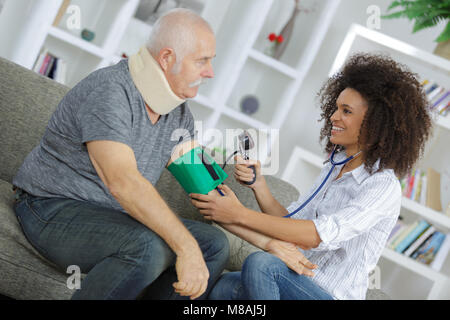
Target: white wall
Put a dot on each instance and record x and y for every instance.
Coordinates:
(11, 22)
(301, 127)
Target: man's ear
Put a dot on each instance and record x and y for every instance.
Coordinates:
(167, 59)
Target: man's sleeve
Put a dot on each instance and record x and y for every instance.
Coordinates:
(106, 115)
(378, 199)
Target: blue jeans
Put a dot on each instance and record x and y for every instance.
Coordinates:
(265, 277)
(120, 256)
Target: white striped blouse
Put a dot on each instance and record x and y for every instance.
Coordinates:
(354, 216)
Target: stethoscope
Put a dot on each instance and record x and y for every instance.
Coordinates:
(334, 164)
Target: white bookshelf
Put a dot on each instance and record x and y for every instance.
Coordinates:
(401, 273)
(241, 67)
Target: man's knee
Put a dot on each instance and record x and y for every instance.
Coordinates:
(147, 250)
(212, 241)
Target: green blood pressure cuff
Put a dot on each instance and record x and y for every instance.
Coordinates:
(197, 172)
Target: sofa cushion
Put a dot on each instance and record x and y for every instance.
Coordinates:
(27, 101)
(25, 273)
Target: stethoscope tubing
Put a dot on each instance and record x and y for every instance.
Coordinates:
(334, 164)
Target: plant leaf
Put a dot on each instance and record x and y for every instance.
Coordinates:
(445, 35)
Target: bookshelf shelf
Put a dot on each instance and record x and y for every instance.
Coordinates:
(428, 214)
(239, 116)
(413, 265)
(77, 42)
(444, 122)
(273, 63)
(206, 102)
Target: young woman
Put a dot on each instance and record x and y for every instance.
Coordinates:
(374, 110)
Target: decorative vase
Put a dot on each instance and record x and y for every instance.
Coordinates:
(286, 32)
(249, 104)
(443, 49)
(271, 48)
(87, 35)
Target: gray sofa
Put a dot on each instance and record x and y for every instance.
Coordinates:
(27, 101)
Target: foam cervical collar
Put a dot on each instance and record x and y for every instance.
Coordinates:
(151, 82)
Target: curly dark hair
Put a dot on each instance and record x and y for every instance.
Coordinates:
(397, 122)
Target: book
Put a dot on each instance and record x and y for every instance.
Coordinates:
(430, 87)
(441, 255)
(44, 65)
(420, 240)
(40, 60)
(427, 251)
(411, 236)
(440, 99)
(433, 199)
(406, 230)
(60, 72)
(397, 228)
(52, 72)
(410, 184)
(61, 12)
(417, 174)
(423, 192)
(436, 92)
(419, 187)
(49, 68)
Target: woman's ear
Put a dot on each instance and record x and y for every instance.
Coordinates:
(167, 59)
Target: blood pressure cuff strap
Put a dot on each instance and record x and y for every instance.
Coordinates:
(197, 172)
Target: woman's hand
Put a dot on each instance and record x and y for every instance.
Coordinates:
(243, 173)
(213, 206)
(291, 256)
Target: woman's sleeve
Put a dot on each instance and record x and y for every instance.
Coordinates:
(379, 198)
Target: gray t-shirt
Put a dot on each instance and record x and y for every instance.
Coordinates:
(105, 105)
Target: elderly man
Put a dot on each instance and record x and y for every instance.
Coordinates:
(85, 194)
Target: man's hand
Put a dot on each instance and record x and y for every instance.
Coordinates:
(289, 254)
(192, 274)
(213, 206)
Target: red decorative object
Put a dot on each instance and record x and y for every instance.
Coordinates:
(272, 37)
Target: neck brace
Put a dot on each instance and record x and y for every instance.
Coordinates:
(152, 83)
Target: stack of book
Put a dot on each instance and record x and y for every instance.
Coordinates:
(423, 187)
(421, 242)
(51, 66)
(438, 96)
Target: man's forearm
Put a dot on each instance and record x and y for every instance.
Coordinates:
(142, 201)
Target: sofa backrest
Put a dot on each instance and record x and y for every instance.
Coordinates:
(27, 101)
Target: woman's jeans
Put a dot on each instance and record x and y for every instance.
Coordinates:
(120, 256)
(266, 277)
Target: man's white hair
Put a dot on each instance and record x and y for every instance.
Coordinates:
(176, 29)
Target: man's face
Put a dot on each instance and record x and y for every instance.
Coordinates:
(195, 67)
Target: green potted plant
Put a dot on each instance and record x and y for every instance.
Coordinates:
(426, 14)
